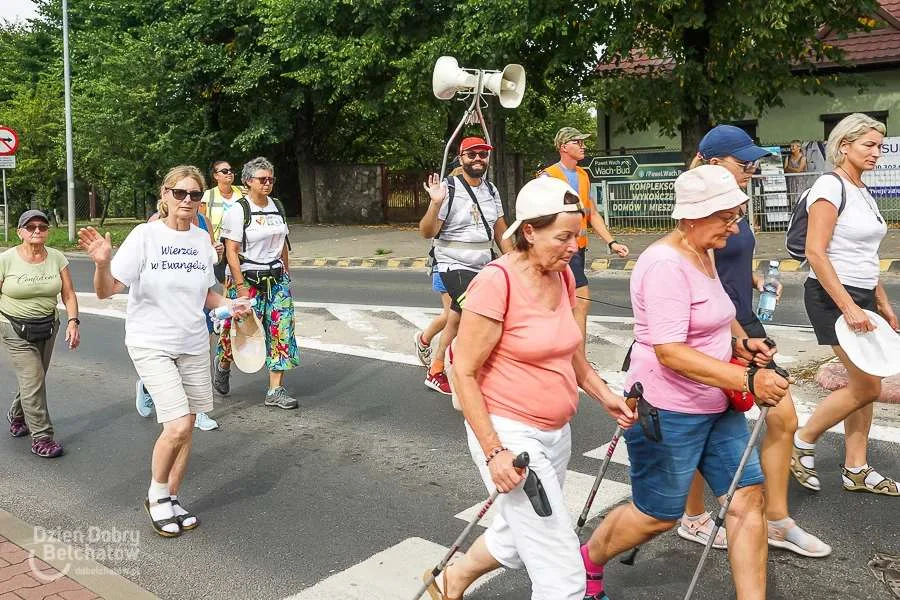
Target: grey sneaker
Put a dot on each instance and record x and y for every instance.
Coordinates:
(221, 379)
(279, 397)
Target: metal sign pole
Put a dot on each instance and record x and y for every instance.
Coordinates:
(5, 210)
(70, 169)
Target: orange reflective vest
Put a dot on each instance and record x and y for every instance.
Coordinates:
(584, 193)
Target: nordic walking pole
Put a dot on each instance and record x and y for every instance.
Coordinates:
(720, 518)
(723, 510)
(631, 396)
(520, 462)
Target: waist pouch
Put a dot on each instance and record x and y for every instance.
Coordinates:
(33, 330)
(257, 277)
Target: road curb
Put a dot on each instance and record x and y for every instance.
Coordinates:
(788, 265)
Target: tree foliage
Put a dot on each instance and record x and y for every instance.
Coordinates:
(717, 59)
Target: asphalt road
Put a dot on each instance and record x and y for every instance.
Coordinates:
(371, 458)
(407, 288)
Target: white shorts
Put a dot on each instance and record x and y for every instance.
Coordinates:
(546, 547)
(179, 384)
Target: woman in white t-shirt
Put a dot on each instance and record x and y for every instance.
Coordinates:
(167, 267)
(257, 256)
(842, 249)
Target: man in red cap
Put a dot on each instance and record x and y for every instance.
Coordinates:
(464, 219)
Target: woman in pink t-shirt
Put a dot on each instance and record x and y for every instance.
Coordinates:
(683, 321)
(517, 366)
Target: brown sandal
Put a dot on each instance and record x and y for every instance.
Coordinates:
(856, 482)
(434, 592)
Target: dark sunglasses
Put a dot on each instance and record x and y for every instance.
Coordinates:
(179, 194)
(32, 227)
(265, 180)
(749, 166)
(226, 171)
(472, 154)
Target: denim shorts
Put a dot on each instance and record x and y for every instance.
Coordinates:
(661, 472)
(437, 284)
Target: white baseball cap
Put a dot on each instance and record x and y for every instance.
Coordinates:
(874, 352)
(541, 197)
(704, 190)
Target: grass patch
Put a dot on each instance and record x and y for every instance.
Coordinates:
(59, 236)
(382, 251)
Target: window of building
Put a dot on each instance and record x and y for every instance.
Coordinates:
(830, 120)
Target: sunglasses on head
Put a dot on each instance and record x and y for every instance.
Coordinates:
(265, 180)
(179, 194)
(471, 154)
(32, 227)
(228, 171)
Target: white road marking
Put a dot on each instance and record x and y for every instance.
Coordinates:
(391, 574)
(620, 454)
(115, 308)
(576, 490)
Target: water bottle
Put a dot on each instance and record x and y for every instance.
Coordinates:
(220, 313)
(766, 307)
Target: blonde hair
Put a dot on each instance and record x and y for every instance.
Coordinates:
(849, 129)
(175, 175)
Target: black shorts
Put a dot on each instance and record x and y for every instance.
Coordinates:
(576, 263)
(457, 282)
(823, 312)
(753, 328)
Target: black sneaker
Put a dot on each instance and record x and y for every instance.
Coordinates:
(221, 379)
(279, 397)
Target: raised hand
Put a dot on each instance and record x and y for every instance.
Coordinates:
(98, 247)
(436, 188)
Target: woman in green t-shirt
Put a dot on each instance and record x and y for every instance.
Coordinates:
(32, 277)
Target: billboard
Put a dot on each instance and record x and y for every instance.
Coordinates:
(639, 184)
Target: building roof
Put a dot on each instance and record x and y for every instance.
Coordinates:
(880, 46)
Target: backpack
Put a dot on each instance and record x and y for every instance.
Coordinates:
(451, 192)
(795, 236)
(248, 214)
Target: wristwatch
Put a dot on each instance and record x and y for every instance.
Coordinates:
(76, 319)
(610, 244)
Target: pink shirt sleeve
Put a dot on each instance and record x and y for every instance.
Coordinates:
(668, 318)
(487, 293)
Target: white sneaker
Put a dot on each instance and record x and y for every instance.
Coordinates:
(204, 422)
(423, 352)
(142, 400)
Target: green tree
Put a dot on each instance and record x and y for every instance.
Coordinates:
(717, 60)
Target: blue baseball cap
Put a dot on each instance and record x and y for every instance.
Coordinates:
(728, 140)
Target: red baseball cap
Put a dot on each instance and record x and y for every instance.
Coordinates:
(474, 143)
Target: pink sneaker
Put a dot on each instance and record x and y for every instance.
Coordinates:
(438, 382)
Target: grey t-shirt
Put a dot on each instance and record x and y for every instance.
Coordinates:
(464, 224)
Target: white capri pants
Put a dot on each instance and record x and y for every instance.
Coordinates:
(179, 384)
(546, 547)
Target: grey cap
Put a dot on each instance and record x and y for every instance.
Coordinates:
(32, 214)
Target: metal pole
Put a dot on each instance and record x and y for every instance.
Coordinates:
(474, 108)
(5, 210)
(70, 169)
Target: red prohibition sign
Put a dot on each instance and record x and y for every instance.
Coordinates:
(9, 141)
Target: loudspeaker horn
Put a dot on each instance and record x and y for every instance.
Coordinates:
(508, 85)
(448, 78)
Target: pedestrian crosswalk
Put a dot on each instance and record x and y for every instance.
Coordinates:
(385, 333)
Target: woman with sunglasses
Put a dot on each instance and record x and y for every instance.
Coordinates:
(32, 276)
(256, 248)
(731, 147)
(842, 248)
(217, 200)
(167, 266)
(681, 356)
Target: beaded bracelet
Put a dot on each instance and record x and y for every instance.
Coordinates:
(494, 453)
